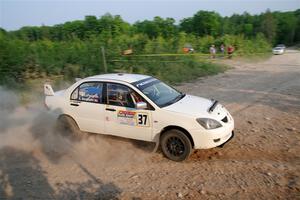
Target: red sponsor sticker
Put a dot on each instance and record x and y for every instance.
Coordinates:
(125, 113)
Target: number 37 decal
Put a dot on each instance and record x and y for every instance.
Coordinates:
(142, 119)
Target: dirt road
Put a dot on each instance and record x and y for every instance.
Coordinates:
(261, 162)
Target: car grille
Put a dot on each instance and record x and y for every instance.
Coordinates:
(225, 119)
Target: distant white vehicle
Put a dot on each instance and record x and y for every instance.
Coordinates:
(144, 108)
(278, 50)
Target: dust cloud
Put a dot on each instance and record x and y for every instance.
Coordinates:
(31, 128)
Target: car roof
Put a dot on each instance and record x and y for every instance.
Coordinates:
(129, 78)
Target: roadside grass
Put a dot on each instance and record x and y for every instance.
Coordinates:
(178, 68)
(172, 69)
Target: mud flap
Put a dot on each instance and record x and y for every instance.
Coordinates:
(156, 147)
(156, 143)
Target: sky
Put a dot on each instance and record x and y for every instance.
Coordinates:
(15, 14)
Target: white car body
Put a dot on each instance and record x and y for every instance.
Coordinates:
(278, 50)
(125, 122)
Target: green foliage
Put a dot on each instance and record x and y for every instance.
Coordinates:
(297, 29)
(173, 69)
(269, 26)
(287, 24)
(203, 23)
(73, 49)
(158, 27)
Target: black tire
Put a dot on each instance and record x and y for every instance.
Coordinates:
(67, 127)
(176, 145)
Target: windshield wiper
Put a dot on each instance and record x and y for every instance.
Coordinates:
(181, 96)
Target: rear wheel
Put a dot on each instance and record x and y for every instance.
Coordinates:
(67, 127)
(176, 145)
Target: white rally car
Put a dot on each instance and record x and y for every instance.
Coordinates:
(144, 108)
(278, 50)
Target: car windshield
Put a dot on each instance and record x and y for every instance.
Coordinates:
(159, 92)
(278, 48)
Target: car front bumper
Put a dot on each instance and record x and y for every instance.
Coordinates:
(278, 52)
(232, 135)
(212, 138)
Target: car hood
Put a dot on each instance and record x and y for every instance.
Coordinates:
(190, 105)
(196, 107)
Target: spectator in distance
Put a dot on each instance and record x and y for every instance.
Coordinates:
(222, 48)
(212, 51)
(230, 50)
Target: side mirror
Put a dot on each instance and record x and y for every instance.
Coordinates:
(141, 105)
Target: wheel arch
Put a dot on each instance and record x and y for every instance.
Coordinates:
(68, 116)
(164, 130)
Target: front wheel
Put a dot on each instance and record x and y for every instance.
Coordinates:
(176, 145)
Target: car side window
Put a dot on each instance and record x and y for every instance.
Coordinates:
(120, 95)
(88, 92)
(74, 95)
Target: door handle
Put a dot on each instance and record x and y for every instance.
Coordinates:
(74, 104)
(110, 109)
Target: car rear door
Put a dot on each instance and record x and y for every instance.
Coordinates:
(121, 116)
(87, 108)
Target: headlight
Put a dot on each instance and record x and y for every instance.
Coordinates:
(208, 123)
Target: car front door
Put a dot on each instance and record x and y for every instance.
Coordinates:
(121, 116)
(87, 108)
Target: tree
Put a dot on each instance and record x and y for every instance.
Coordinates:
(297, 32)
(204, 23)
(269, 26)
(73, 47)
(186, 25)
(157, 27)
(147, 27)
(287, 24)
(91, 26)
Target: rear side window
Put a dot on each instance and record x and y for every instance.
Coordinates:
(88, 92)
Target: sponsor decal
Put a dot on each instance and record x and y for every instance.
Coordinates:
(144, 83)
(126, 117)
(132, 118)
